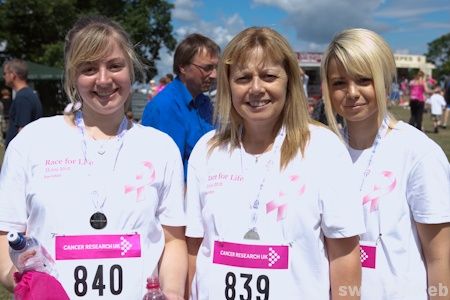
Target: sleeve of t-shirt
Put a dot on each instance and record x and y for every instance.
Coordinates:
(171, 210)
(13, 182)
(24, 112)
(166, 120)
(428, 189)
(193, 194)
(342, 210)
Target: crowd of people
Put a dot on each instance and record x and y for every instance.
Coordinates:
(246, 198)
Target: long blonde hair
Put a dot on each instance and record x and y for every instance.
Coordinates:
(294, 117)
(362, 53)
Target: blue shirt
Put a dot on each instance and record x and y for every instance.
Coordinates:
(175, 112)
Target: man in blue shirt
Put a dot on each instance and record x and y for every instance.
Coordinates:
(181, 109)
(26, 106)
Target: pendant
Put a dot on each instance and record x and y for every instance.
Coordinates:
(101, 150)
(98, 220)
(251, 235)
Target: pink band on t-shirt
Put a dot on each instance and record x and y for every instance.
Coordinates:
(368, 256)
(251, 256)
(97, 246)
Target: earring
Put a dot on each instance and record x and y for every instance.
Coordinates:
(77, 105)
(68, 108)
(72, 107)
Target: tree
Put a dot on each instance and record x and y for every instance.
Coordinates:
(35, 30)
(439, 54)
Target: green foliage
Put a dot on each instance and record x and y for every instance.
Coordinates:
(439, 54)
(35, 30)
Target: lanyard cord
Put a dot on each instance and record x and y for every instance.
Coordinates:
(98, 200)
(382, 131)
(255, 203)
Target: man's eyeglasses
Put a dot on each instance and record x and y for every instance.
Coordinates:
(207, 69)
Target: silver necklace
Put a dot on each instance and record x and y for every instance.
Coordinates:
(252, 233)
(98, 219)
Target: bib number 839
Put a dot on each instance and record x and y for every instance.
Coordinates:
(115, 280)
(262, 286)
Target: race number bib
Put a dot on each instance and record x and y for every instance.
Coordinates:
(368, 254)
(250, 272)
(100, 266)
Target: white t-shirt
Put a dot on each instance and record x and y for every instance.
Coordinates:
(320, 198)
(437, 103)
(45, 187)
(408, 182)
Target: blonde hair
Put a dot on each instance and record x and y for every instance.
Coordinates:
(90, 40)
(361, 53)
(294, 116)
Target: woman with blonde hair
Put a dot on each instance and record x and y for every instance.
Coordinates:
(403, 176)
(102, 194)
(264, 220)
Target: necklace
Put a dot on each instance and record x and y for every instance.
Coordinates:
(252, 233)
(382, 131)
(98, 219)
(101, 149)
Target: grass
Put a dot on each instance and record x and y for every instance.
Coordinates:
(442, 138)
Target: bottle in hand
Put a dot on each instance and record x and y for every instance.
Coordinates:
(153, 290)
(27, 254)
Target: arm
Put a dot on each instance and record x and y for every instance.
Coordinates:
(193, 244)
(7, 268)
(173, 263)
(345, 267)
(435, 241)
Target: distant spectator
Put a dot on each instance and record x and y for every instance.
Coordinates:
(169, 76)
(305, 80)
(418, 88)
(163, 81)
(447, 100)
(5, 101)
(26, 106)
(437, 103)
(181, 109)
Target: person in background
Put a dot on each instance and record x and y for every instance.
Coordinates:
(181, 109)
(417, 93)
(403, 175)
(26, 106)
(169, 77)
(6, 104)
(92, 178)
(263, 219)
(438, 105)
(446, 113)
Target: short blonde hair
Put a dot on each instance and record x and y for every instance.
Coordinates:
(90, 40)
(362, 53)
(294, 116)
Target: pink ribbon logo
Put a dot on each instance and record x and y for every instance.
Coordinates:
(282, 208)
(379, 190)
(146, 177)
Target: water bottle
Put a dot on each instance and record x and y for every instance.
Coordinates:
(153, 290)
(20, 249)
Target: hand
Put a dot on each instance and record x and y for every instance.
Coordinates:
(24, 258)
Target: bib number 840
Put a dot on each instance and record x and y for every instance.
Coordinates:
(262, 286)
(115, 280)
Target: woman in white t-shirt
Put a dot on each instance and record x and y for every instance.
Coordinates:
(102, 194)
(403, 175)
(270, 215)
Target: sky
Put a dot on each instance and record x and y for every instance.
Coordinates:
(407, 25)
